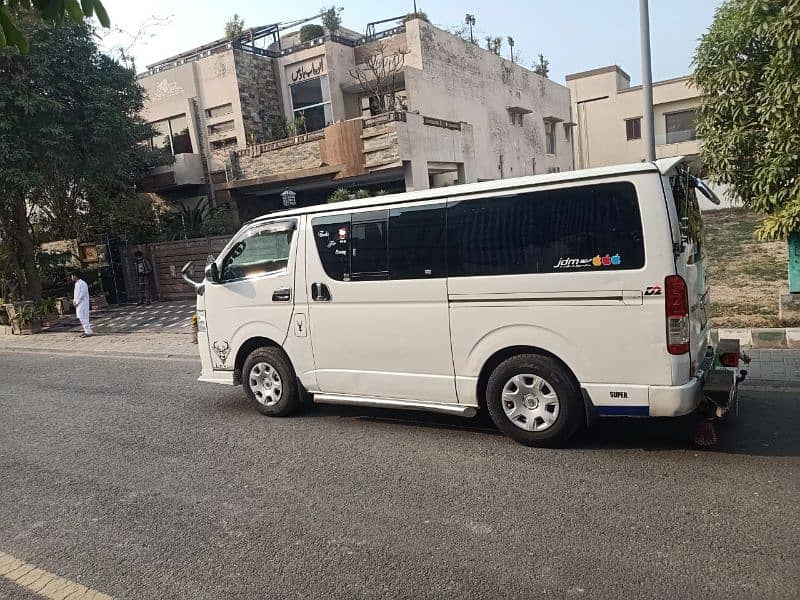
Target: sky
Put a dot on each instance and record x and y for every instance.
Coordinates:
(574, 35)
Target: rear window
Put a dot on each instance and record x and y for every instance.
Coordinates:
(586, 228)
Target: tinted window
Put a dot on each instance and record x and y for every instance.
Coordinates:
(417, 244)
(368, 241)
(589, 228)
(332, 235)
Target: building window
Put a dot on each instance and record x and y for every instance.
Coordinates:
(633, 128)
(224, 143)
(218, 111)
(311, 102)
(172, 136)
(680, 126)
(220, 127)
(550, 137)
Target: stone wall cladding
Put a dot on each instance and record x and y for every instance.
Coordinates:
(380, 145)
(258, 94)
(283, 160)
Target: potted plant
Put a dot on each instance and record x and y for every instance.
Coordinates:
(26, 319)
(47, 309)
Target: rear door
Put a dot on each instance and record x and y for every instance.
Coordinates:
(689, 262)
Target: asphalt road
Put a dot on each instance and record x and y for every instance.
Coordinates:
(133, 479)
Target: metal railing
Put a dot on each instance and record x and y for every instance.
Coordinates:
(387, 117)
(296, 140)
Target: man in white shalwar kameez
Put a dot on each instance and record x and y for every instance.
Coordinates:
(80, 299)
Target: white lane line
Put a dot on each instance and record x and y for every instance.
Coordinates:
(43, 583)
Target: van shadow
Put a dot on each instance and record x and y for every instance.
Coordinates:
(766, 425)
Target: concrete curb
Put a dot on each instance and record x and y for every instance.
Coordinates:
(777, 337)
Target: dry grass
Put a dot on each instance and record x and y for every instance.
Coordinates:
(746, 277)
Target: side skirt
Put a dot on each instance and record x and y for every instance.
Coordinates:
(448, 409)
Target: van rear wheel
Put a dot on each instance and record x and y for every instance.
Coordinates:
(269, 382)
(534, 400)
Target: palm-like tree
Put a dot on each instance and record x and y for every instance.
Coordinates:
(470, 21)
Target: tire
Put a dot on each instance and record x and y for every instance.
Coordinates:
(535, 401)
(269, 382)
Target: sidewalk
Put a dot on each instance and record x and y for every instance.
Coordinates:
(773, 365)
(146, 344)
(171, 317)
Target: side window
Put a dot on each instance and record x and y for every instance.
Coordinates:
(402, 243)
(264, 252)
(417, 243)
(368, 246)
(586, 228)
(332, 235)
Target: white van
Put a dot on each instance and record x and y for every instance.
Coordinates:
(549, 299)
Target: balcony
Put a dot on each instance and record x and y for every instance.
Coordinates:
(186, 170)
(357, 147)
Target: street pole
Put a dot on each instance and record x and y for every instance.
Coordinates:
(648, 134)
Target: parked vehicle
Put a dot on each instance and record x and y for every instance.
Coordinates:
(549, 299)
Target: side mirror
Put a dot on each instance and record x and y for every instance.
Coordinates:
(198, 287)
(212, 272)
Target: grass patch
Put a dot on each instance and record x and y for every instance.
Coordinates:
(746, 276)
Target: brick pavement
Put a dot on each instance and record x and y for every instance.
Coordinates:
(773, 365)
(160, 316)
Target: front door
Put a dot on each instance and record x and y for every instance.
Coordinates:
(254, 294)
(378, 303)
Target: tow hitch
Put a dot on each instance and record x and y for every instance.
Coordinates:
(720, 390)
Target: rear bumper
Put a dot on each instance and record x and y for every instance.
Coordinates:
(677, 400)
(673, 401)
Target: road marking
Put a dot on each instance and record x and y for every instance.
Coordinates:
(43, 583)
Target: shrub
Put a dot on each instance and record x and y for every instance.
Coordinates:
(311, 32)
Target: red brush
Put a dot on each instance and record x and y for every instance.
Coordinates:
(706, 434)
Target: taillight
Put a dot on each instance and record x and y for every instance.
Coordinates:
(730, 359)
(677, 309)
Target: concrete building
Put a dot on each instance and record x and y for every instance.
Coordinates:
(447, 111)
(608, 113)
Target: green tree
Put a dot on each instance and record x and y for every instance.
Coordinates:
(311, 31)
(747, 67)
(234, 27)
(70, 150)
(469, 20)
(50, 11)
(332, 18)
(542, 67)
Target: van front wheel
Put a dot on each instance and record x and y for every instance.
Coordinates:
(534, 400)
(269, 381)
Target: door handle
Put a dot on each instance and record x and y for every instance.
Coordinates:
(320, 292)
(282, 295)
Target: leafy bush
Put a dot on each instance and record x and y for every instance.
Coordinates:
(311, 31)
(339, 195)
